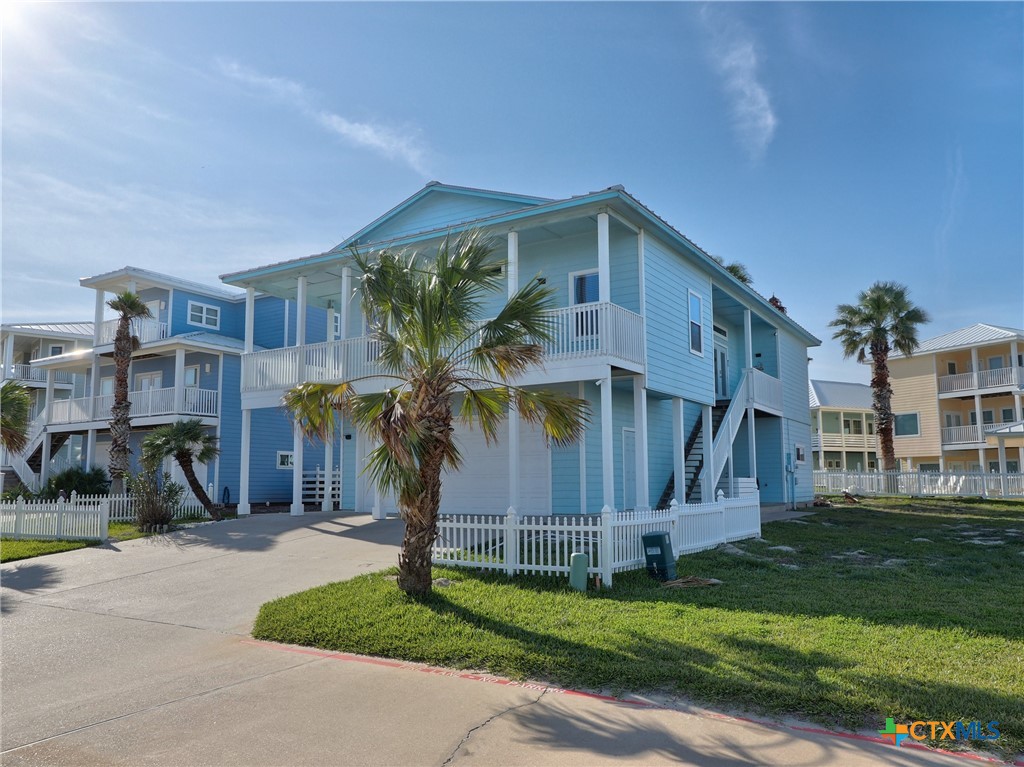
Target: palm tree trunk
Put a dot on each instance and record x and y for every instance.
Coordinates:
(881, 395)
(185, 462)
(120, 432)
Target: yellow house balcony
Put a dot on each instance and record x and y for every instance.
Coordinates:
(595, 332)
(1000, 378)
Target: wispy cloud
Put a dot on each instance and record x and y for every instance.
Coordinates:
(735, 55)
(955, 189)
(399, 144)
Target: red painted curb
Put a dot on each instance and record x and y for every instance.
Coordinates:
(407, 666)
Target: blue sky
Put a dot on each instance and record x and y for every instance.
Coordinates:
(825, 146)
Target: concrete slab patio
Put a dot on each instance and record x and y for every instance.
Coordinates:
(138, 653)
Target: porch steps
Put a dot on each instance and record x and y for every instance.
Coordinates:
(57, 440)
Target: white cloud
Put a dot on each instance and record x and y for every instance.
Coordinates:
(402, 145)
(735, 56)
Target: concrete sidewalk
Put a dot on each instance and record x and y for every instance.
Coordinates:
(138, 653)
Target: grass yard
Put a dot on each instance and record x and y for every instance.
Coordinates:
(857, 622)
(12, 550)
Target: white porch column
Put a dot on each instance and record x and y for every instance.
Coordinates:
(8, 357)
(1014, 353)
(513, 458)
(327, 503)
(748, 348)
(346, 299)
(707, 486)
(44, 468)
(512, 266)
(250, 319)
(1002, 467)
(607, 445)
(640, 431)
(751, 436)
(243, 465)
(300, 311)
(90, 450)
(1018, 409)
(297, 442)
(982, 467)
(179, 380)
(977, 415)
(98, 316)
(48, 402)
(679, 450)
(94, 382)
(974, 367)
(604, 268)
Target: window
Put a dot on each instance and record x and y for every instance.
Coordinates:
(203, 315)
(1007, 415)
(995, 363)
(906, 425)
(853, 426)
(56, 349)
(106, 386)
(987, 417)
(285, 459)
(585, 287)
(801, 453)
(696, 324)
(870, 421)
(337, 324)
(147, 381)
(951, 368)
(192, 377)
(929, 467)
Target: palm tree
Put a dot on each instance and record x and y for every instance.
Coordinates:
(736, 269)
(15, 408)
(130, 307)
(186, 441)
(424, 313)
(883, 319)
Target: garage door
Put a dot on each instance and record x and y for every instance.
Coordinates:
(481, 486)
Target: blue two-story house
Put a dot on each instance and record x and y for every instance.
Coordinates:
(187, 365)
(696, 382)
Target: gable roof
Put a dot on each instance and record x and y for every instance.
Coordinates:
(840, 394)
(974, 335)
(146, 278)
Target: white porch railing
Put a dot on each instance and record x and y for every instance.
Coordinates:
(764, 391)
(29, 373)
(585, 331)
(920, 483)
(1001, 378)
(844, 441)
(196, 402)
(613, 541)
(955, 435)
(145, 330)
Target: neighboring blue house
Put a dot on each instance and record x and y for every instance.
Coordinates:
(188, 365)
(663, 342)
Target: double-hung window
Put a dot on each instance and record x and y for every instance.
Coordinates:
(696, 324)
(203, 315)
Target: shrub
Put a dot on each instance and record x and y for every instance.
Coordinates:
(76, 480)
(157, 498)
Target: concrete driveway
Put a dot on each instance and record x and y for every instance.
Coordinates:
(138, 653)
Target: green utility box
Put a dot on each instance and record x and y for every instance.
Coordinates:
(661, 564)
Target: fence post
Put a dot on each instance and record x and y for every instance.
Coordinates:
(19, 516)
(677, 526)
(104, 520)
(606, 547)
(511, 541)
(60, 516)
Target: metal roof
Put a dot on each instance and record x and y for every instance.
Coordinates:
(84, 329)
(149, 278)
(975, 335)
(840, 394)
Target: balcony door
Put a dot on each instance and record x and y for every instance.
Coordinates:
(721, 371)
(584, 290)
(148, 381)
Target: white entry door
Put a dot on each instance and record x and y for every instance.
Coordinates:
(721, 372)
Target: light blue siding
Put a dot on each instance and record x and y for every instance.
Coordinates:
(660, 464)
(271, 431)
(230, 427)
(232, 315)
(671, 367)
(770, 459)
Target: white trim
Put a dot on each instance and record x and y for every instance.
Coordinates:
(220, 410)
(288, 466)
(799, 453)
(204, 310)
(689, 321)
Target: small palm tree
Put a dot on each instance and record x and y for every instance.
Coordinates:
(129, 307)
(883, 319)
(424, 313)
(15, 409)
(736, 269)
(187, 441)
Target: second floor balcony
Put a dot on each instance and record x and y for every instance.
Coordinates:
(999, 378)
(28, 374)
(145, 330)
(588, 332)
(150, 402)
(829, 441)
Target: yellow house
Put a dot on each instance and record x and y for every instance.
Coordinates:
(953, 398)
(842, 426)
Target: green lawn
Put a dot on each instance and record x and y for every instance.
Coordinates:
(12, 550)
(859, 623)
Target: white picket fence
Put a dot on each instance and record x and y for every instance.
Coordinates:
(122, 507)
(55, 520)
(612, 540)
(920, 483)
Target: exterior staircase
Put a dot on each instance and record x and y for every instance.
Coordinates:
(694, 452)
